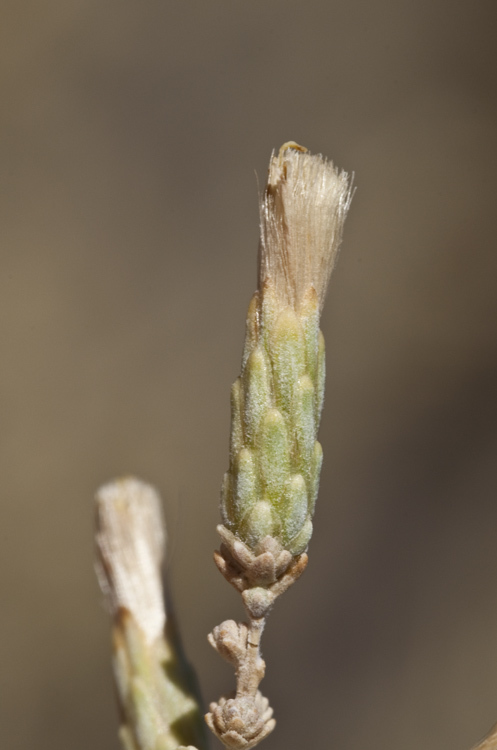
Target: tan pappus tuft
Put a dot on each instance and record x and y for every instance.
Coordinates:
(130, 544)
(302, 214)
(489, 742)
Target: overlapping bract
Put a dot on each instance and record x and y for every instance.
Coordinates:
(275, 459)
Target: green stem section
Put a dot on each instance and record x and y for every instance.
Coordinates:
(157, 690)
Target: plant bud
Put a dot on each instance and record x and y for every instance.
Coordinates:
(276, 404)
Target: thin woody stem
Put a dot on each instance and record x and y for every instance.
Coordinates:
(251, 670)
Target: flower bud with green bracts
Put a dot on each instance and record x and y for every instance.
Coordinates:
(271, 486)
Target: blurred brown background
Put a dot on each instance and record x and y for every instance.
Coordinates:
(130, 133)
